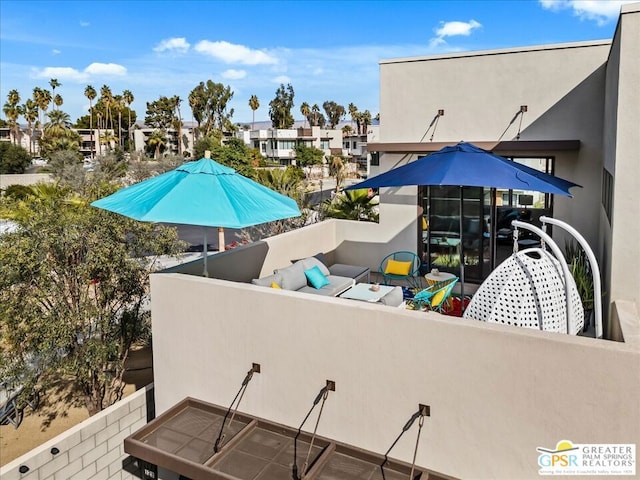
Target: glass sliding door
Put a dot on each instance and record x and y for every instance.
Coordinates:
(444, 242)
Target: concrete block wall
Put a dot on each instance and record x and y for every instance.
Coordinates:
(93, 449)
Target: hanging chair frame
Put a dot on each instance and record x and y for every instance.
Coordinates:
(548, 241)
(593, 263)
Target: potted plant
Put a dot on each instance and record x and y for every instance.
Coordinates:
(583, 277)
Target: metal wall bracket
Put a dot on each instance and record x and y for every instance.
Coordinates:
(331, 385)
(425, 410)
(255, 367)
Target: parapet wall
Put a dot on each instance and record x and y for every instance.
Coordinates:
(93, 449)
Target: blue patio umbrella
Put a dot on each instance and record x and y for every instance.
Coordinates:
(466, 165)
(203, 193)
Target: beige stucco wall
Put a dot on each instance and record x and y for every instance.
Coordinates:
(496, 393)
(624, 148)
(480, 92)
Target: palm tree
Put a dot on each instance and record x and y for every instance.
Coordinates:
(128, 98)
(91, 94)
(54, 83)
(305, 110)
(352, 205)
(254, 104)
(366, 121)
(315, 111)
(118, 102)
(353, 110)
(107, 99)
(57, 100)
(337, 169)
(157, 139)
(108, 138)
(177, 120)
(99, 118)
(43, 101)
(30, 112)
(13, 111)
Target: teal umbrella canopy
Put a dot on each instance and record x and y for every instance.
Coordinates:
(203, 193)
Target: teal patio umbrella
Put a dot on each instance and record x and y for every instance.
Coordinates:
(203, 193)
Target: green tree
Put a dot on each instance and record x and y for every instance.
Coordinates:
(73, 284)
(67, 169)
(306, 157)
(91, 95)
(160, 113)
(280, 107)
(234, 153)
(254, 104)
(13, 158)
(209, 142)
(352, 205)
(208, 102)
(335, 113)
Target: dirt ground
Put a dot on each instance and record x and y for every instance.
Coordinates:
(58, 411)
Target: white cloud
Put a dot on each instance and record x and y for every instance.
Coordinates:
(600, 11)
(232, 74)
(281, 79)
(55, 51)
(177, 44)
(232, 53)
(84, 24)
(453, 29)
(61, 73)
(105, 69)
(74, 75)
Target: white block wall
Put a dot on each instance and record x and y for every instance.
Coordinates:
(93, 449)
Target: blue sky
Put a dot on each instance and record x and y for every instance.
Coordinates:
(327, 50)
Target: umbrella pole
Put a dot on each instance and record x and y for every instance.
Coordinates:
(220, 239)
(204, 254)
(461, 257)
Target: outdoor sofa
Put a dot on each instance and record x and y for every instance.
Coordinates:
(336, 279)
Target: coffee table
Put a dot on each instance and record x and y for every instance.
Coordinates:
(363, 292)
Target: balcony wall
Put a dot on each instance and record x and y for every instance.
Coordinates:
(496, 392)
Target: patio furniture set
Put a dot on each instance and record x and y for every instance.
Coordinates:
(312, 275)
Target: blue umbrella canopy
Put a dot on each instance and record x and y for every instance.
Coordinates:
(203, 193)
(465, 165)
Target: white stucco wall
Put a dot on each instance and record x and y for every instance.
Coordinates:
(496, 392)
(624, 148)
(480, 92)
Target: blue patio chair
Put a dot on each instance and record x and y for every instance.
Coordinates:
(402, 265)
(435, 296)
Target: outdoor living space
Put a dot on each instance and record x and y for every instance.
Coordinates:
(488, 386)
